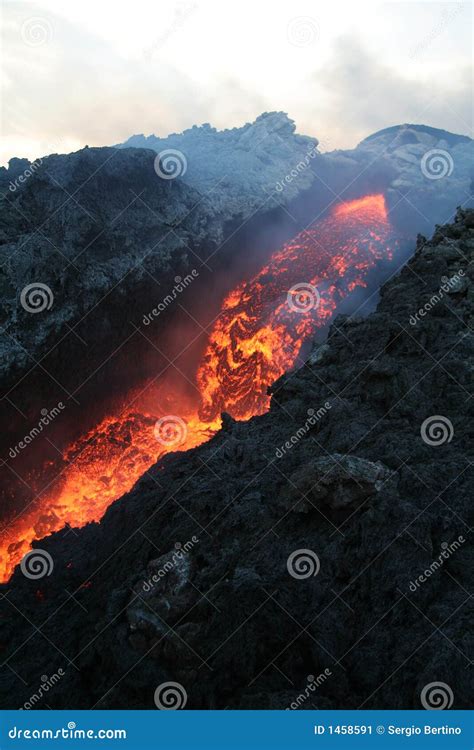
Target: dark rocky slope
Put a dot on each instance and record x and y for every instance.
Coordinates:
(109, 236)
(360, 488)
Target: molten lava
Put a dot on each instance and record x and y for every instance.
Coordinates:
(265, 321)
(257, 336)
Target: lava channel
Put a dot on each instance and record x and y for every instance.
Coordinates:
(258, 336)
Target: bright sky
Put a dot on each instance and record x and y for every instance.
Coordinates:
(96, 71)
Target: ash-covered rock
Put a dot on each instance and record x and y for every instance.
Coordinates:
(337, 481)
(164, 593)
(366, 591)
(425, 171)
(245, 164)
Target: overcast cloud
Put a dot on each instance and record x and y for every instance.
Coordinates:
(97, 72)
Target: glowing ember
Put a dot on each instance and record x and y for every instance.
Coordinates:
(257, 337)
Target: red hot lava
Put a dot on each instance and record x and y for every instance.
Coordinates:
(257, 336)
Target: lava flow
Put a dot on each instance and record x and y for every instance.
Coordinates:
(257, 336)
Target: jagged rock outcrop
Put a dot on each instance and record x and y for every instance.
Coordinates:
(432, 168)
(336, 482)
(424, 172)
(368, 586)
(248, 161)
(79, 224)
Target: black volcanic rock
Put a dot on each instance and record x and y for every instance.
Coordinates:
(305, 534)
(80, 224)
(84, 222)
(103, 237)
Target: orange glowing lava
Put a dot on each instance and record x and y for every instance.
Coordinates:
(257, 337)
(265, 321)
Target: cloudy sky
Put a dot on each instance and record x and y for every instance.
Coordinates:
(96, 71)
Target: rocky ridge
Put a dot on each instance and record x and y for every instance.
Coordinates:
(105, 222)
